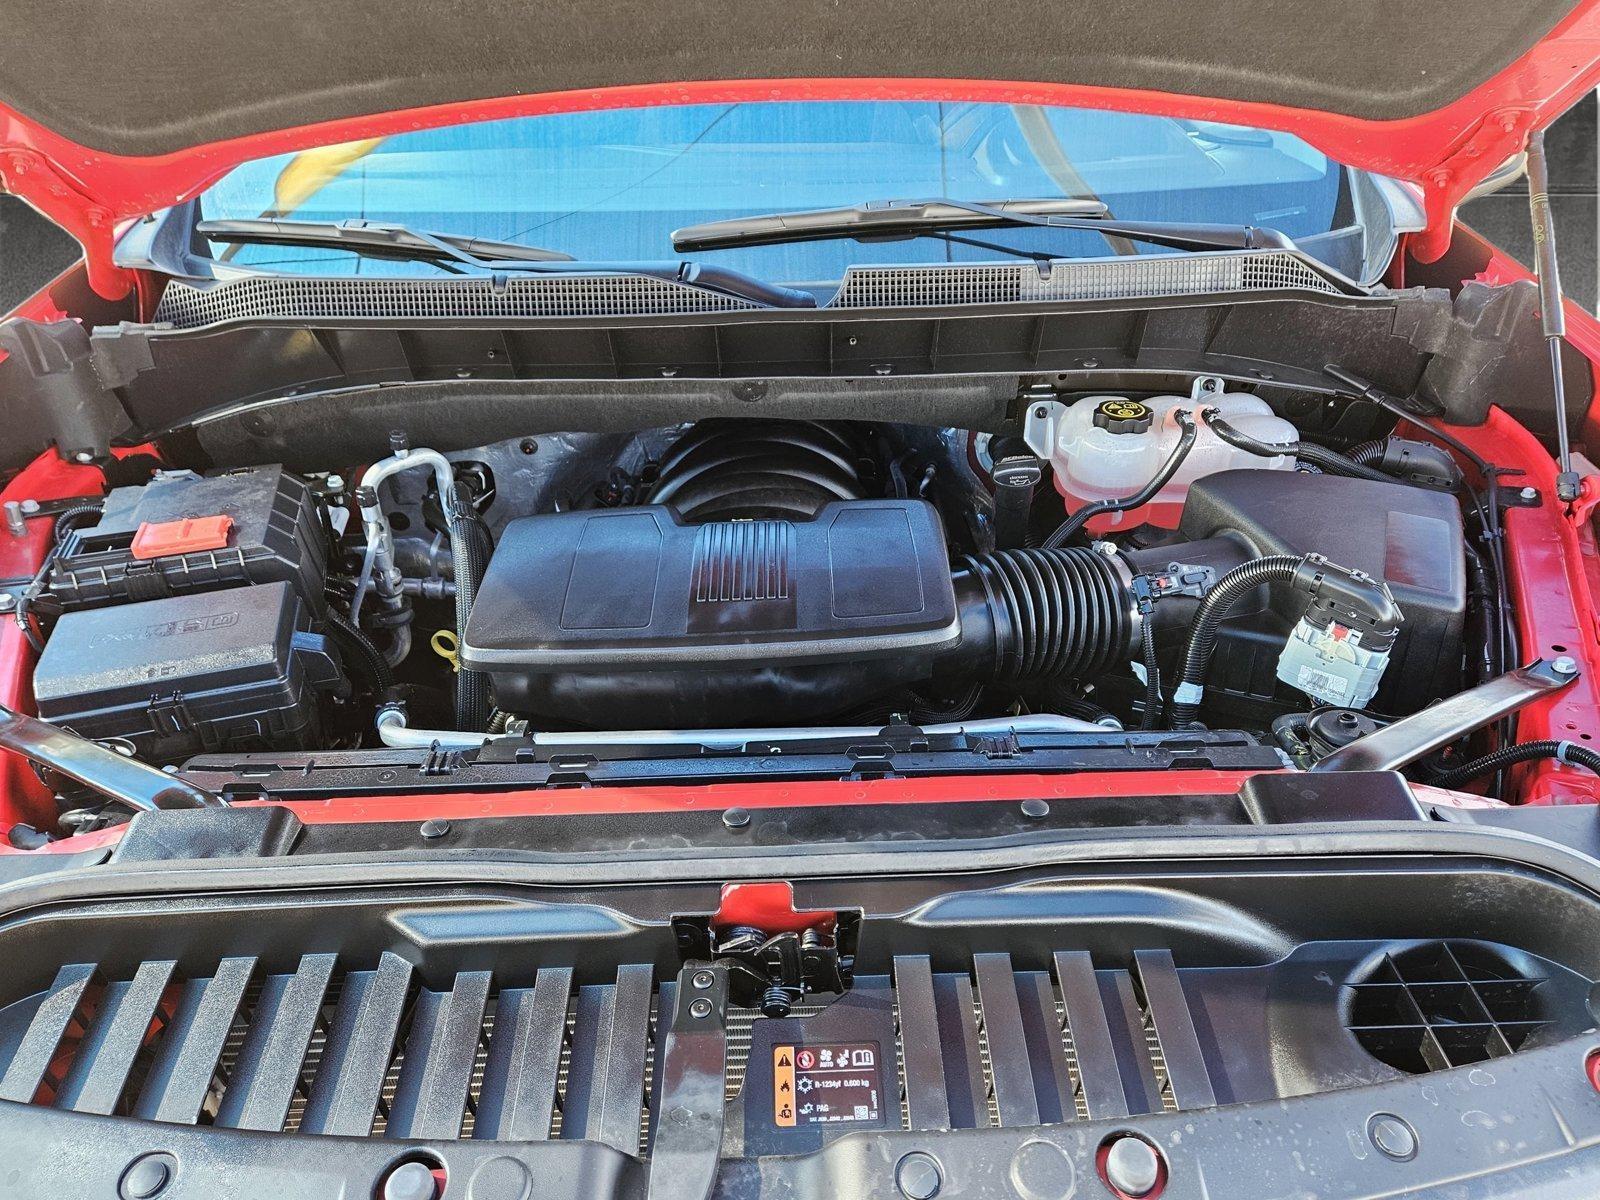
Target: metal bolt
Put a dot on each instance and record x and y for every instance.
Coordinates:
(83, 456)
(31, 508)
(16, 523)
(700, 1008)
(528, 446)
(1393, 1137)
(702, 979)
(1565, 665)
(1132, 1166)
(435, 827)
(1035, 808)
(147, 1177)
(1530, 495)
(1041, 412)
(882, 369)
(736, 818)
(917, 1176)
(334, 483)
(410, 1181)
(1090, 363)
(8, 602)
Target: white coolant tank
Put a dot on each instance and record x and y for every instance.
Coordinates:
(1109, 447)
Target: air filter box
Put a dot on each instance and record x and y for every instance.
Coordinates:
(229, 670)
(1409, 537)
(271, 532)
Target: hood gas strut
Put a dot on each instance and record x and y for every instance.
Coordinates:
(1552, 315)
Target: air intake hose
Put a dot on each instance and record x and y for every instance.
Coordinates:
(1044, 614)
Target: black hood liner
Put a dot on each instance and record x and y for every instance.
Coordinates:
(190, 72)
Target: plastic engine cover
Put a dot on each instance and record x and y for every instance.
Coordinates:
(626, 616)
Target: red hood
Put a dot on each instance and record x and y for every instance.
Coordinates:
(102, 119)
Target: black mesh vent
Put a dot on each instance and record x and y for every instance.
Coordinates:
(266, 297)
(1438, 1005)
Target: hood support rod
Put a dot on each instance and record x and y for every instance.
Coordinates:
(125, 780)
(1405, 741)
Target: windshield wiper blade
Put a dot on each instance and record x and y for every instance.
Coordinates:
(376, 239)
(936, 217)
(379, 240)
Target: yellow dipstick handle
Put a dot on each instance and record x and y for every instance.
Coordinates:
(444, 645)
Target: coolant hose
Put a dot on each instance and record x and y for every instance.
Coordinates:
(1567, 752)
(1064, 531)
(470, 547)
(1321, 457)
(376, 667)
(1229, 590)
(1063, 613)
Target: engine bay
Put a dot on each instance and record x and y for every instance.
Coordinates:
(1139, 563)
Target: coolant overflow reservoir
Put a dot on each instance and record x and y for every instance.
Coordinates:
(1108, 447)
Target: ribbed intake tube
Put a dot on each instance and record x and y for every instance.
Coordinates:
(1044, 614)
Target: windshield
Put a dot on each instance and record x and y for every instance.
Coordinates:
(613, 185)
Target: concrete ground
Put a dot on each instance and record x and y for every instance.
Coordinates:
(32, 250)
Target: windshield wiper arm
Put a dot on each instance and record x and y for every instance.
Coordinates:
(931, 218)
(379, 240)
(376, 239)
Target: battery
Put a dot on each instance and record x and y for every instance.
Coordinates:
(232, 670)
(263, 526)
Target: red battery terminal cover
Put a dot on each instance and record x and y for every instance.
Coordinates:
(163, 538)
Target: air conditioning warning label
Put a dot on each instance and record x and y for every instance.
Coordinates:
(826, 1085)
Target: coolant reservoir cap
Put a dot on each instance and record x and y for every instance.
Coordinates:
(1116, 415)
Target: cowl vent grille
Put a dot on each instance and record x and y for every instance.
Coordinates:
(271, 297)
(1439, 1005)
(1127, 278)
(308, 298)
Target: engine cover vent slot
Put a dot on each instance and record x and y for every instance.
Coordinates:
(1438, 1005)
